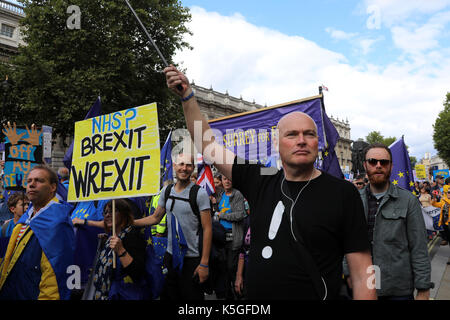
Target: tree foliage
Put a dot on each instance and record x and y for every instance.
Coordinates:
(441, 134)
(60, 72)
(377, 137)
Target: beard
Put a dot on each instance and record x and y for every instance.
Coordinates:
(379, 180)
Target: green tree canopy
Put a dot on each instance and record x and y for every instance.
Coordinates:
(441, 134)
(377, 137)
(60, 72)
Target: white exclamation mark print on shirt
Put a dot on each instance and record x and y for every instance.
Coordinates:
(273, 229)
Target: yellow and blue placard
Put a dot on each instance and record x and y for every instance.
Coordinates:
(116, 155)
(23, 151)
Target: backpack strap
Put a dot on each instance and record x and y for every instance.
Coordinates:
(193, 192)
(193, 200)
(167, 193)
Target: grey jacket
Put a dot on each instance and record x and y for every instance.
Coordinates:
(399, 243)
(236, 216)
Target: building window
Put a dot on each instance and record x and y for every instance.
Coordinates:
(7, 30)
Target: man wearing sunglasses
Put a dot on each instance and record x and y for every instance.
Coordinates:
(359, 181)
(396, 231)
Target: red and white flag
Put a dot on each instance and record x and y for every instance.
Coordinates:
(205, 177)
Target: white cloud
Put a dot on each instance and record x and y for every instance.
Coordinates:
(415, 39)
(362, 44)
(339, 34)
(393, 12)
(366, 44)
(403, 98)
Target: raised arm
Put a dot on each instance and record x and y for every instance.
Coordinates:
(197, 125)
(155, 218)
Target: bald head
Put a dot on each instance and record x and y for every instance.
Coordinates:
(298, 141)
(296, 115)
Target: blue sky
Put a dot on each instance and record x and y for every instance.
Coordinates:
(386, 63)
(311, 20)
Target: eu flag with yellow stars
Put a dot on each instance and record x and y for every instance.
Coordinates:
(166, 159)
(330, 162)
(401, 174)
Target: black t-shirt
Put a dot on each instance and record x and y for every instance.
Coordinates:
(329, 215)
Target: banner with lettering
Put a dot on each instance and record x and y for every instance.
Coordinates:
(116, 156)
(250, 134)
(23, 151)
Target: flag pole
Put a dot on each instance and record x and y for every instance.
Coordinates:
(166, 64)
(114, 228)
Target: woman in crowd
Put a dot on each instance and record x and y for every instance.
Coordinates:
(424, 196)
(129, 247)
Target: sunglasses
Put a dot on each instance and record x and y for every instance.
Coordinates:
(373, 162)
(108, 212)
(360, 183)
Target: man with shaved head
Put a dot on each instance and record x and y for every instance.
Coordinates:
(303, 221)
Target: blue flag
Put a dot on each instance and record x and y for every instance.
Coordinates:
(179, 244)
(90, 210)
(54, 231)
(401, 174)
(330, 162)
(85, 248)
(61, 191)
(166, 159)
(155, 270)
(94, 111)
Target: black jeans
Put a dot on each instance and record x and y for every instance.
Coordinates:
(227, 273)
(445, 233)
(181, 286)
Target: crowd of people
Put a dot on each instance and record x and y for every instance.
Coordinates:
(257, 237)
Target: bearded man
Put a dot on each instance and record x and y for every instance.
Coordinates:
(397, 231)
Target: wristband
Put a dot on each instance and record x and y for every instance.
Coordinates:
(188, 97)
(123, 254)
(204, 266)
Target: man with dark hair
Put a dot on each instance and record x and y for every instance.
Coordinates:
(43, 241)
(298, 240)
(359, 181)
(396, 231)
